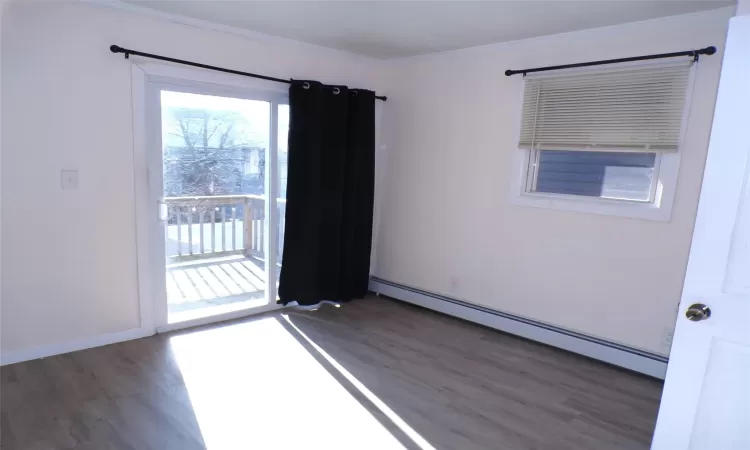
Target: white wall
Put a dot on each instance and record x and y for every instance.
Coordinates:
(69, 257)
(446, 224)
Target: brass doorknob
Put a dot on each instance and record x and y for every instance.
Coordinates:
(698, 312)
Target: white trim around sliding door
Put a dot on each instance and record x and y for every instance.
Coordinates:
(141, 183)
(147, 82)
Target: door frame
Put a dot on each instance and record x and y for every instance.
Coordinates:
(147, 80)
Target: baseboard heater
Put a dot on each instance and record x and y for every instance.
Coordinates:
(609, 352)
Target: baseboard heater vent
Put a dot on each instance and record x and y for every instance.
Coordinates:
(602, 350)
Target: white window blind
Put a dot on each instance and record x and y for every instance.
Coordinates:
(632, 109)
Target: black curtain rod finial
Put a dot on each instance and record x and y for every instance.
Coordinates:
(118, 49)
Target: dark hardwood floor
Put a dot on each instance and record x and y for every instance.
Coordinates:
(372, 374)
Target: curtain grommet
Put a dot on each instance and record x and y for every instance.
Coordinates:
(336, 91)
(305, 85)
(354, 93)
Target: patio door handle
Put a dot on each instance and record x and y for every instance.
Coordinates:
(162, 212)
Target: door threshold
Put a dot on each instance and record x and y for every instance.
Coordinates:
(217, 318)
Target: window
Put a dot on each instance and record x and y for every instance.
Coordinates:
(612, 175)
(609, 138)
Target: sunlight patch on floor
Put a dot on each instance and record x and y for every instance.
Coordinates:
(243, 386)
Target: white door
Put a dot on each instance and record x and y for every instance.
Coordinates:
(214, 165)
(706, 399)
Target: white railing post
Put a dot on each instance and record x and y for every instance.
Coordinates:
(234, 229)
(190, 229)
(213, 229)
(223, 229)
(179, 229)
(248, 238)
(200, 231)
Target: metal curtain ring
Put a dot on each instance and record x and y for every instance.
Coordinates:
(336, 90)
(306, 85)
(355, 93)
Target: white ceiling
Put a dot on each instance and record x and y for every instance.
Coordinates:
(389, 29)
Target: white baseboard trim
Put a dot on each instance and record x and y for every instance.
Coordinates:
(609, 352)
(72, 346)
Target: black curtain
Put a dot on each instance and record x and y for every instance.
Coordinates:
(330, 193)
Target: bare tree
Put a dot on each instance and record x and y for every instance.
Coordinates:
(205, 151)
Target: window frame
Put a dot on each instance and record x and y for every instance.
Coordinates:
(663, 188)
(533, 171)
(659, 209)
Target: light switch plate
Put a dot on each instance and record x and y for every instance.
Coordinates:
(69, 179)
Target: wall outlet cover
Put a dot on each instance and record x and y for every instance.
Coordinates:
(455, 284)
(69, 179)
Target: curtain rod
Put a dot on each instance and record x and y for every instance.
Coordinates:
(694, 53)
(128, 52)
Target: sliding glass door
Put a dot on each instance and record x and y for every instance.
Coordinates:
(220, 170)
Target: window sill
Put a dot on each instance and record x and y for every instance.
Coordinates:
(599, 206)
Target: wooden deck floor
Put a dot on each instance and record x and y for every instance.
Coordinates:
(372, 374)
(192, 282)
(206, 287)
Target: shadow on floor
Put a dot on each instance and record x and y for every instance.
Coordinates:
(372, 374)
(381, 412)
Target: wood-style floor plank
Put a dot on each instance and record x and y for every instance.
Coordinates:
(443, 383)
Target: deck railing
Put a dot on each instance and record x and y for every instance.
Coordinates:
(221, 225)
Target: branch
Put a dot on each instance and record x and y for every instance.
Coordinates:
(225, 136)
(212, 134)
(185, 134)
